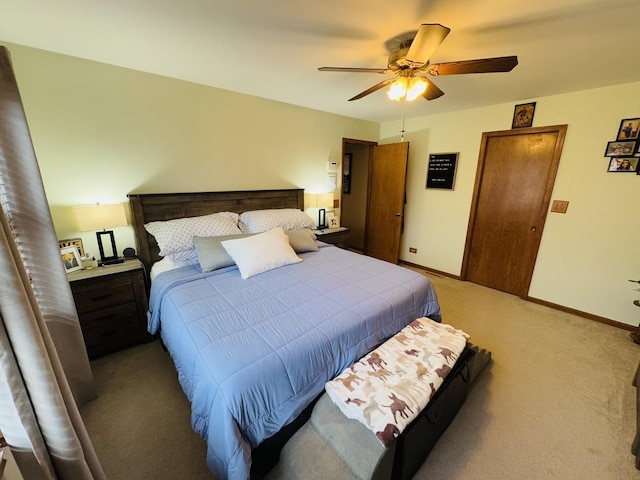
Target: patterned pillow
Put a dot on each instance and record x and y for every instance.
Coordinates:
(177, 235)
(257, 221)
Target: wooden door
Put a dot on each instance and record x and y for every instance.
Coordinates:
(514, 182)
(385, 209)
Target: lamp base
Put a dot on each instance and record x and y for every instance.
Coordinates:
(110, 261)
(322, 219)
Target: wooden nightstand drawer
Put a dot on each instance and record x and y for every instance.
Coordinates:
(337, 236)
(124, 328)
(112, 306)
(102, 294)
(118, 314)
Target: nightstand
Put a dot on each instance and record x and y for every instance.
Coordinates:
(112, 306)
(337, 236)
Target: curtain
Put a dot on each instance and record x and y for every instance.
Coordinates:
(44, 369)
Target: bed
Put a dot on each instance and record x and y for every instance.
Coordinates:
(253, 354)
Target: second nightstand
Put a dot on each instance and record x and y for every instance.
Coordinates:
(112, 306)
(336, 236)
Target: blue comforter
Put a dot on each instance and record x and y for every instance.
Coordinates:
(252, 354)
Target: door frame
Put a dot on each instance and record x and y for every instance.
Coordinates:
(371, 145)
(542, 214)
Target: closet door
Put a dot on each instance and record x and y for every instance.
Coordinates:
(514, 182)
(385, 210)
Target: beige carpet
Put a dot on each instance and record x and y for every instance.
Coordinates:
(556, 402)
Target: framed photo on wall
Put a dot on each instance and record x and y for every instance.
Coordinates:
(620, 149)
(629, 128)
(523, 115)
(623, 164)
(346, 173)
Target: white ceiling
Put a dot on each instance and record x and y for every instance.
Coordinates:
(273, 49)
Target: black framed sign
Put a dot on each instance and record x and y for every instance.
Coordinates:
(441, 171)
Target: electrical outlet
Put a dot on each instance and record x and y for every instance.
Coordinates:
(559, 206)
(413, 250)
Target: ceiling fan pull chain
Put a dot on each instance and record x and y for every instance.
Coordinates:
(404, 114)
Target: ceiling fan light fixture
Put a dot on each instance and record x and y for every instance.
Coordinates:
(417, 86)
(411, 62)
(398, 89)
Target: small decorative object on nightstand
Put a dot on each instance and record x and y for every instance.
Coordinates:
(112, 306)
(337, 236)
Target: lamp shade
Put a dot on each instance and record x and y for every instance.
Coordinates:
(100, 217)
(321, 200)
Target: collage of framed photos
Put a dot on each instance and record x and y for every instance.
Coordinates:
(624, 151)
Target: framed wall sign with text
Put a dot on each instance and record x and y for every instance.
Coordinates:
(441, 171)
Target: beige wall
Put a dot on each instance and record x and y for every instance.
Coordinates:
(587, 255)
(101, 132)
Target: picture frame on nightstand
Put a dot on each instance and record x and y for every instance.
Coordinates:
(68, 242)
(333, 221)
(70, 257)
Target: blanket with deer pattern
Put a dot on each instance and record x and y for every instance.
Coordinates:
(387, 388)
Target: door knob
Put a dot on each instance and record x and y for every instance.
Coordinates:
(533, 228)
(398, 214)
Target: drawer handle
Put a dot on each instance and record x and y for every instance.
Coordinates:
(101, 297)
(108, 333)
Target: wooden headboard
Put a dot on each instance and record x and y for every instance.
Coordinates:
(154, 207)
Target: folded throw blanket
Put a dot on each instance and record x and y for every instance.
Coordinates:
(389, 387)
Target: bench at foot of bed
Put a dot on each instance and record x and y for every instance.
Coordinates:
(331, 445)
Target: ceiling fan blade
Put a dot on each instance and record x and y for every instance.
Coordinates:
(353, 70)
(432, 92)
(481, 65)
(425, 43)
(376, 87)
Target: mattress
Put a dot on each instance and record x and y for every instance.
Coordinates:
(252, 354)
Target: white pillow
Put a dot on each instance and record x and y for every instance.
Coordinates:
(164, 265)
(177, 235)
(260, 253)
(256, 221)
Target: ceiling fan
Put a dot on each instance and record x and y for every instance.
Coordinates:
(411, 62)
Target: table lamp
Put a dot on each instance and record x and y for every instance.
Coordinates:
(101, 217)
(322, 201)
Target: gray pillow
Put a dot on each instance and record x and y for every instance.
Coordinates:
(211, 253)
(302, 240)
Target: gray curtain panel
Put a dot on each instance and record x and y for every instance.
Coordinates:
(44, 370)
